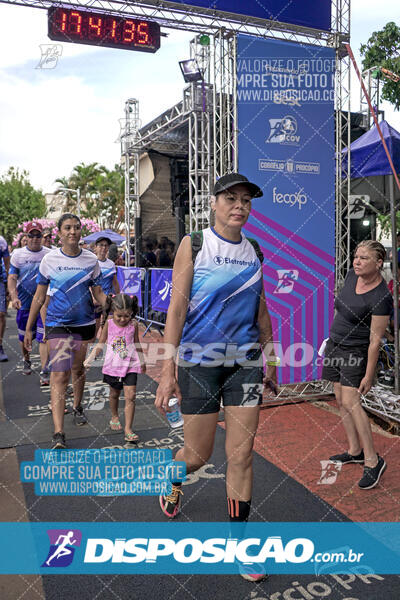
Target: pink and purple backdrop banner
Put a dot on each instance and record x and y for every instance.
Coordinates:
(286, 145)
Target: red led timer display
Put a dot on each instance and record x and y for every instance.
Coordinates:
(101, 29)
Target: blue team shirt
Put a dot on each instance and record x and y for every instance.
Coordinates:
(70, 279)
(3, 253)
(224, 298)
(25, 264)
(108, 270)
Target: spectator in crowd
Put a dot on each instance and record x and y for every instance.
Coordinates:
(150, 259)
(4, 260)
(23, 240)
(113, 252)
(24, 269)
(363, 307)
(71, 275)
(47, 239)
(108, 277)
(161, 246)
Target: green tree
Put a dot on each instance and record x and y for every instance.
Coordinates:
(383, 50)
(110, 202)
(386, 224)
(19, 201)
(102, 192)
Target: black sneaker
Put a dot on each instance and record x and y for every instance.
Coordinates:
(170, 505)
(387, 380)
(372, 475)
(58, 441)
(79, 416)
(347, 458)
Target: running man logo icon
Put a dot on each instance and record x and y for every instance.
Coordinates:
(50, 53)
(251, 394)
(286, 280)
(167, 289)
(329, 471)
(219, 260)
(63, 543)
(283, 131)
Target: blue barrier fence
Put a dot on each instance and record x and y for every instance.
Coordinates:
(153, 288)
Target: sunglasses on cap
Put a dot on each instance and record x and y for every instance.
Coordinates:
(35, 235)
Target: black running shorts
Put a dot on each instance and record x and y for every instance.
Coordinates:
(118, 382)
(203, 388)
(344, 364)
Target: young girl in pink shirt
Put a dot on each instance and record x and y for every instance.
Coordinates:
(123, 359)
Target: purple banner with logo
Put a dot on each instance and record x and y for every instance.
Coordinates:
(130, 281)
(286, 145)
(161, 288)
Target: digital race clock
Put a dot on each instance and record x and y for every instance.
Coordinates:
(102, 29)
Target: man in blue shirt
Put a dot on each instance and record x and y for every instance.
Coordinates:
(24, 269)
(4, 259)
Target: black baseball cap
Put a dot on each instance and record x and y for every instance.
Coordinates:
(227, 181)
(103, 239)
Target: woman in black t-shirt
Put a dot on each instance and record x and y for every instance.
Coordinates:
(363, 308)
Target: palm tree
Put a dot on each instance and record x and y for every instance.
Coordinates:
(111, 188)
(102, 192)
(69, 200)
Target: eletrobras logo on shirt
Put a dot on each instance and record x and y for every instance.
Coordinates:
(69, 268)
(225, 260)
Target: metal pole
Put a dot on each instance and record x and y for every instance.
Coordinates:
(395, 272)
(78, 201)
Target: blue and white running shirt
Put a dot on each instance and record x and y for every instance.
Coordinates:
(108, 270)
(25, 264)
(224, 299)
(70, 278)
(3, 252)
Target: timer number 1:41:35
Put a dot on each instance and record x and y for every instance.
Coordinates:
(102, 29)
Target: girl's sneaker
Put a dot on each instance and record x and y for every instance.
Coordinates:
(44, 378)
(26, 367)
(171, 504)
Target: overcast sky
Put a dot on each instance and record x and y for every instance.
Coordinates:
(53, 119)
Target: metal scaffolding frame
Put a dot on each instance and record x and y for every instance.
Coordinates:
(200, 155)
(129, 138)
(225, 124)
(341, 29)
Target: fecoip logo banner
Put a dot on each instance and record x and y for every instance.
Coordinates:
(285, 97)
(103, 472)
(199, 548)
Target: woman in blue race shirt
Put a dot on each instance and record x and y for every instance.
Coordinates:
(219, 319)
(69, 275)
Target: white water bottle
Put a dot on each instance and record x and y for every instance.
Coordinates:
(174, 414)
